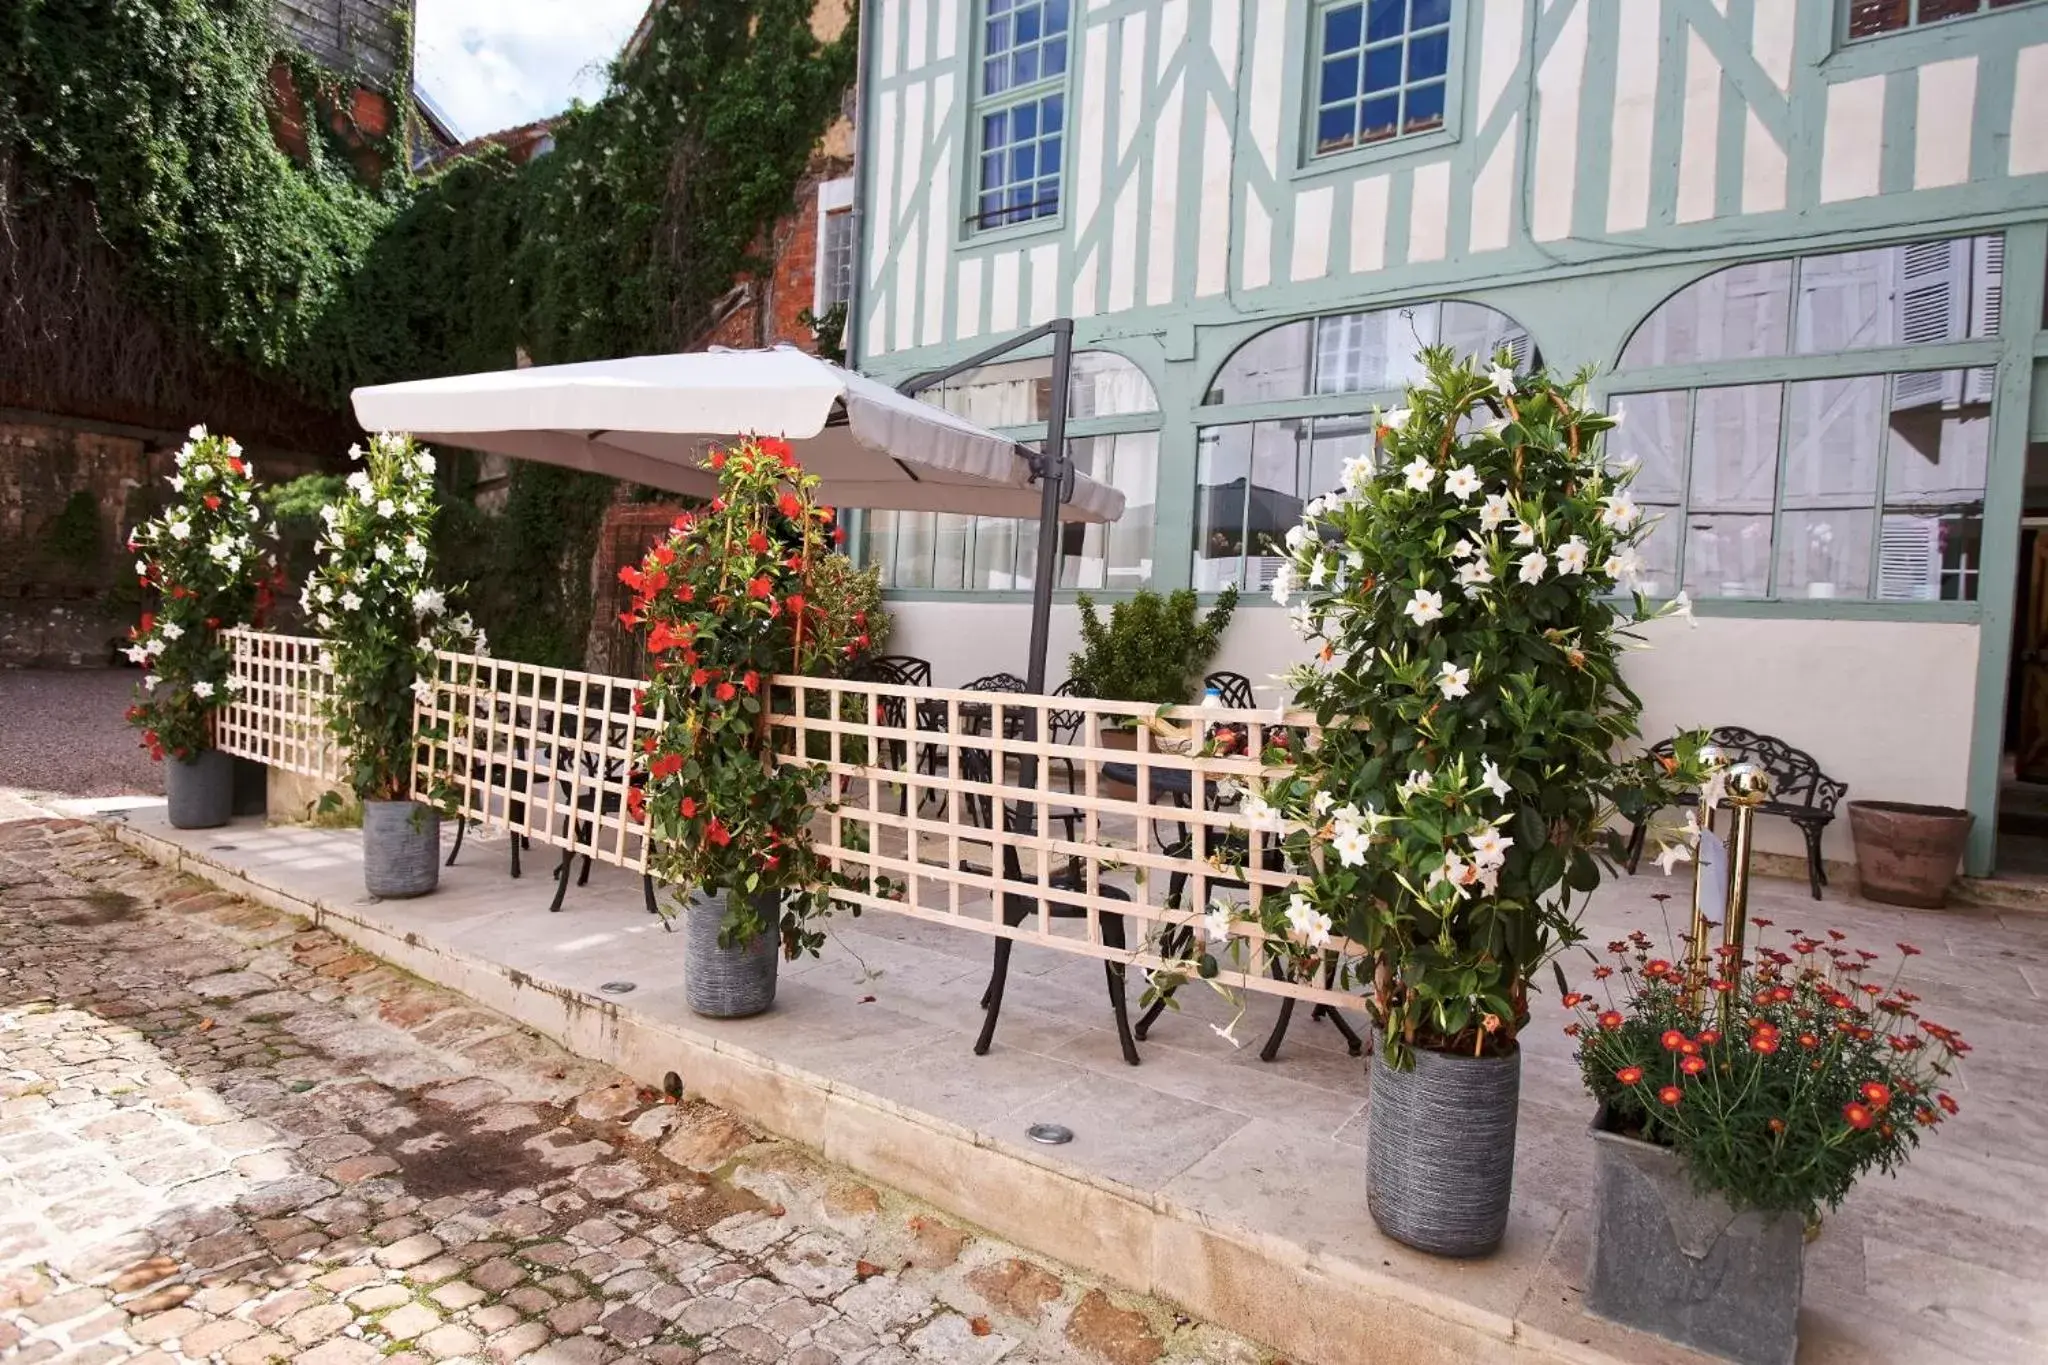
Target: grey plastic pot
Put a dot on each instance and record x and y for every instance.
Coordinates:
(1440, 1150)
(729, 983)
(200, 792)
(1686, 1266)
(401, 849)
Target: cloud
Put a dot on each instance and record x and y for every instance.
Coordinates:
(492, 64)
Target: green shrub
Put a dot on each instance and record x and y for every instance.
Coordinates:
(1151, 649)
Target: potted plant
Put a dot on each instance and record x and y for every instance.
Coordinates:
(1152, 649)
(373, 599)
(726, 601)
(1736, 1103)
(201, 558)
(1463, 587)
(1908, 854)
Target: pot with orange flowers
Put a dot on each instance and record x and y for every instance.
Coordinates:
(1738, 1101)
(726, 605)
(202, 559)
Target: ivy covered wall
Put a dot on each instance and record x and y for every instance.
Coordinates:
(162, 117)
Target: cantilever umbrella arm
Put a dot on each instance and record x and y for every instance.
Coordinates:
(1050, 466)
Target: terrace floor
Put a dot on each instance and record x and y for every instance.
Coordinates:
(1949, 1261)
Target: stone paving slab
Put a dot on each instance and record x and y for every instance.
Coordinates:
(1205, 1169)
(226, 1135)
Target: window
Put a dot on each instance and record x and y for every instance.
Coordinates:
(1022, 111)
(1869, 18)
(1867, 487)
(1382, 70)
(1253, 479)
(1361, 352)
(950, 551)
(834, 271)
(929, 550)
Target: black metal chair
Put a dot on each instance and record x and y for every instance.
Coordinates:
(1232, 689)
(1800, 791)
(935, 716)
(503, 775)
(596, 803)
(1064, 727)
(1020, 906)
(890, 712)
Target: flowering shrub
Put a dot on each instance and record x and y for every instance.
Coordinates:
(1780, 1080)
(727, 603)
(1463, 585)
(373, 599)
(200, 556)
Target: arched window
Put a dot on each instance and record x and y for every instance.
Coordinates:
(1801, 482)
(1254, 477)
(1113, 421)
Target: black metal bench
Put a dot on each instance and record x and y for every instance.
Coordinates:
(1800, 791)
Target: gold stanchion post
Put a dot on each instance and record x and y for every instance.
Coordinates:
(1749, 786)
(1696, 947)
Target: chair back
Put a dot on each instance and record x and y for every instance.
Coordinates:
(997, 682)
(1064, 725)
(905, 669)
(1235, 689)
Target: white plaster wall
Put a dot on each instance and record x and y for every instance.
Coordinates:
(1885, 706)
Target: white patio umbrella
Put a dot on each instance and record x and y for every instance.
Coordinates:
(652, 419)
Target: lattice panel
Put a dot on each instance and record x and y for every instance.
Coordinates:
(958, 796)
(274, 717)
(542, 752)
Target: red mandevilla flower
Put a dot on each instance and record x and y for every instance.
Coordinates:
(760, 587)
(689, 808)
(726, 691)
(758, 543)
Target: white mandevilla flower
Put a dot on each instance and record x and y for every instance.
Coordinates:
(1304, 619)
(202, 689)
(422, 690)
(1489, 846)
(137, 654)
(1525, 533)
(1318, 572)
(233, 684)
(325, 594)
(1464, 549)
(1351, 845)
(1357, 473)
(349, 601)
(1298, 536)
(198, 433)
(221, 549)
(142, 567)
(1454, 870)
(1571, 556)
(1462, 483)
(382, 553)
(415, 551)
(1258, 812)
(1491, 779)
(181, 530)
(424, 463)
(1616, 417)
(1425, 606)
(1681, 606)
(386, 508)
(429, 602)
(172, 630)
(1417, 782)
(1394, 420)
(330, 514)
(1453, 681)
(1321, 802)
(324, 621)
(1420, 474)
(1306, 922)
(1474, 575)
(177, 483)
(1619, 512)
(1495, 512)
(1533, 565)
(1503, 379)
(1283, 584)
(1216, 921)
(151, 682)
(1624, 567)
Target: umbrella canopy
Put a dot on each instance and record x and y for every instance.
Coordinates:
(651, 419)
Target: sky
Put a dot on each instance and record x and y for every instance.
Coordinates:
(495, 64)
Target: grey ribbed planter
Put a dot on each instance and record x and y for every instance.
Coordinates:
(201, 793)
(401, 849)
(1684, 1265)
(729, 983)
(1440, 1150)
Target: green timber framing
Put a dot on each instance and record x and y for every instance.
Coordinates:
(1598, 156)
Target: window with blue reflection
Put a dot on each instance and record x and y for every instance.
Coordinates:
(1022, 110)
(1382, 70)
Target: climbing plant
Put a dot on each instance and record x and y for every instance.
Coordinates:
(618, 242)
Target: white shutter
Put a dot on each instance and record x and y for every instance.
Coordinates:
(1909, 559)
(1932, 294)
(1987, 279)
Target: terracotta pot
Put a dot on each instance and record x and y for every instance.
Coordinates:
(1906, 854)
(1111, 737)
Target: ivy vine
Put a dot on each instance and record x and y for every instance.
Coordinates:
(616, 243)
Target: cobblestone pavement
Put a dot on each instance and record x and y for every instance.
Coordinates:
(226, 1137)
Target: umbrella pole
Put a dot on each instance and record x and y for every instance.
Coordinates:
(1052, 480)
